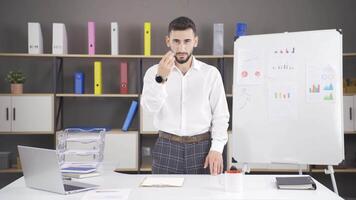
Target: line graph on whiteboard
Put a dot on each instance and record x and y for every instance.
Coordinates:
(244, 98)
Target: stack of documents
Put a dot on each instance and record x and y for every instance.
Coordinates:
(79, 172)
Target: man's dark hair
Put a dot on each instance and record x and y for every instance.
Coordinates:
(181, 24)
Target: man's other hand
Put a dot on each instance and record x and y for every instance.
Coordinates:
(215, 162)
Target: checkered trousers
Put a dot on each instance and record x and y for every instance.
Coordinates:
(170, 157)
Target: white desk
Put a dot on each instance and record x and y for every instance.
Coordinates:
(195, 187)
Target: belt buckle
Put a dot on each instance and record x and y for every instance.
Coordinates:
(183, 139)
(190, 139)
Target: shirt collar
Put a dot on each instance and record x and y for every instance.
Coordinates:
(195, 64)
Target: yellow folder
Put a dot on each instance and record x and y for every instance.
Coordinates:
(97, 78)
(147, 39)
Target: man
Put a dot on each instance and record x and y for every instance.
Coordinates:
(188, 99)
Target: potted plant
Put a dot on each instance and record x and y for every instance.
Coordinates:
(16, 79)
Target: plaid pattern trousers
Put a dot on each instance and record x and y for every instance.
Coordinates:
(170, 157)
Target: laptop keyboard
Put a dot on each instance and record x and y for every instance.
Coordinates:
(72, 187)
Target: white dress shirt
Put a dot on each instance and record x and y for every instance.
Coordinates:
(189, 104)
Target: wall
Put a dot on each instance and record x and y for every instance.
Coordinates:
(261, 16)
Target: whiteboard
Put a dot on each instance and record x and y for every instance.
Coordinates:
(287, 98)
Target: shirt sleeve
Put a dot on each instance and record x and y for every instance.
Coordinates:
(220, 114)
(153, 93)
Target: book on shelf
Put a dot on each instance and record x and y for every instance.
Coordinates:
(147, 38)
(295, 183)
(97, 78)
(130, 116)
(123, 78)
(91, 38)
(79, 83)
(218, 41)
(35, 38)
(114, 38)
(59, 39)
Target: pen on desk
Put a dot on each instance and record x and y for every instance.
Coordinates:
(106, 190)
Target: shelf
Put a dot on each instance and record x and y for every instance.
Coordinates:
(149, 133)
(48, 55)
(26, 133)
(350, 133)
(349, 54)
(349, 94)
(146, 167)
(11, 170)
(26, 94)
(107, 95)
(126, 170)
(119, 131)
(95, 95)
(347, 170)
(102, 56)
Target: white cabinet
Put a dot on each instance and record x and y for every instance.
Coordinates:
(121, 150)
(5, 113)
(26, 113)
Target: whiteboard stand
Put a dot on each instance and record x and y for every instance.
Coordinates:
(245, 168)
(300, 170)
(330, 171)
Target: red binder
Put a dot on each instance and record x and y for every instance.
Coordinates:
(123, 78)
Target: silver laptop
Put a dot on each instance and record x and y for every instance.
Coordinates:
(42, 171)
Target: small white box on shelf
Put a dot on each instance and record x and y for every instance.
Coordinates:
(349, 113)
(35, 39)
(218, 43)
(59, 39)
(114, 38)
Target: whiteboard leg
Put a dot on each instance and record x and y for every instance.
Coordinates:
(300, 170)
(330, 171)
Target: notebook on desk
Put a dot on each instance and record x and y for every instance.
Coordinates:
(295, 183)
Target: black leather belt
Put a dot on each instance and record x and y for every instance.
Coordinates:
(185, 139)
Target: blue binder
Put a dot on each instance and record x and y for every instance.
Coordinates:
(240, 30)
(130, 115)
(79, 83)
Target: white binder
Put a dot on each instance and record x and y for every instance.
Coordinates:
(59, 39)
(114, 38)
(349, 114)
(218, 44)
(35, 39)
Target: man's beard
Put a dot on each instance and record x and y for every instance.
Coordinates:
(183, 61)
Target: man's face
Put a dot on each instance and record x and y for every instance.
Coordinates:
(182, 44)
